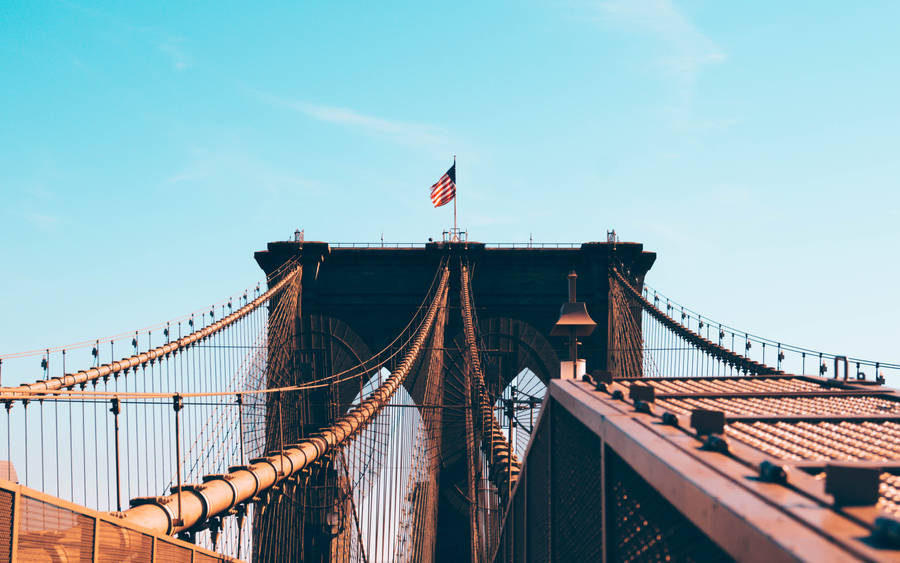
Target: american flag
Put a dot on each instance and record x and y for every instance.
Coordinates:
(444, 190)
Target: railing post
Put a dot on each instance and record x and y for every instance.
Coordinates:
(280, 434)
(550, 492)
(95, 556)
(16, 523)
(512, 442)
(115, 409)
(241, 512)
(177, 405)
(240, 404)
(603, 506)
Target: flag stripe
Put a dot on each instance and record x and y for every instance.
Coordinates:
(442, 201)
(440, 185)
(444, 181)
(444, 190)
(444, 198)
(441, 192)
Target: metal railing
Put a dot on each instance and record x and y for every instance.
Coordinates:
(533, 244)
(784, 357)
(423, 244)
(377, 244)
(41, 527)
(604, 481)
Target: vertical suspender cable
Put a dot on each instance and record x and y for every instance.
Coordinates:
(114, 409)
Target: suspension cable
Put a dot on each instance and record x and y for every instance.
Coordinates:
(742, 362)
(142, 359)
(221, 492)
(505, 467)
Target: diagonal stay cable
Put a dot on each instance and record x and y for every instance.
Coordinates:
(83, 376)
(221, 492)
(741, 362)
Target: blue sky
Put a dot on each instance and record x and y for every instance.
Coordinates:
(149, 149)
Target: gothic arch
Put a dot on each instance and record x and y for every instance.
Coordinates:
(512, 345)
(329, 346)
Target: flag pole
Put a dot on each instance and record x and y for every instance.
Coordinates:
(455, 230)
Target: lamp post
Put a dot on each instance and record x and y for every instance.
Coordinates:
(574, 321)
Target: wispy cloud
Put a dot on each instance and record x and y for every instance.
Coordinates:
(172, 48)
(227, 162)
(37, 205)
(149, 36)
(43, 221)
(687, 48)
(405, 132)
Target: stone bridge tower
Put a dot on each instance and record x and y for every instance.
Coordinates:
(354, 301)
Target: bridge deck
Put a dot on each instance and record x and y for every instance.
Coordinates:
(656, 488)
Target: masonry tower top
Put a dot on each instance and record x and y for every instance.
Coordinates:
(375, 289)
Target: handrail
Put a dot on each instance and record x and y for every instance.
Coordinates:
(145, 329)
(741, 362)
(376, 244)
(379, 244)
(691, 314)
(105, 370)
